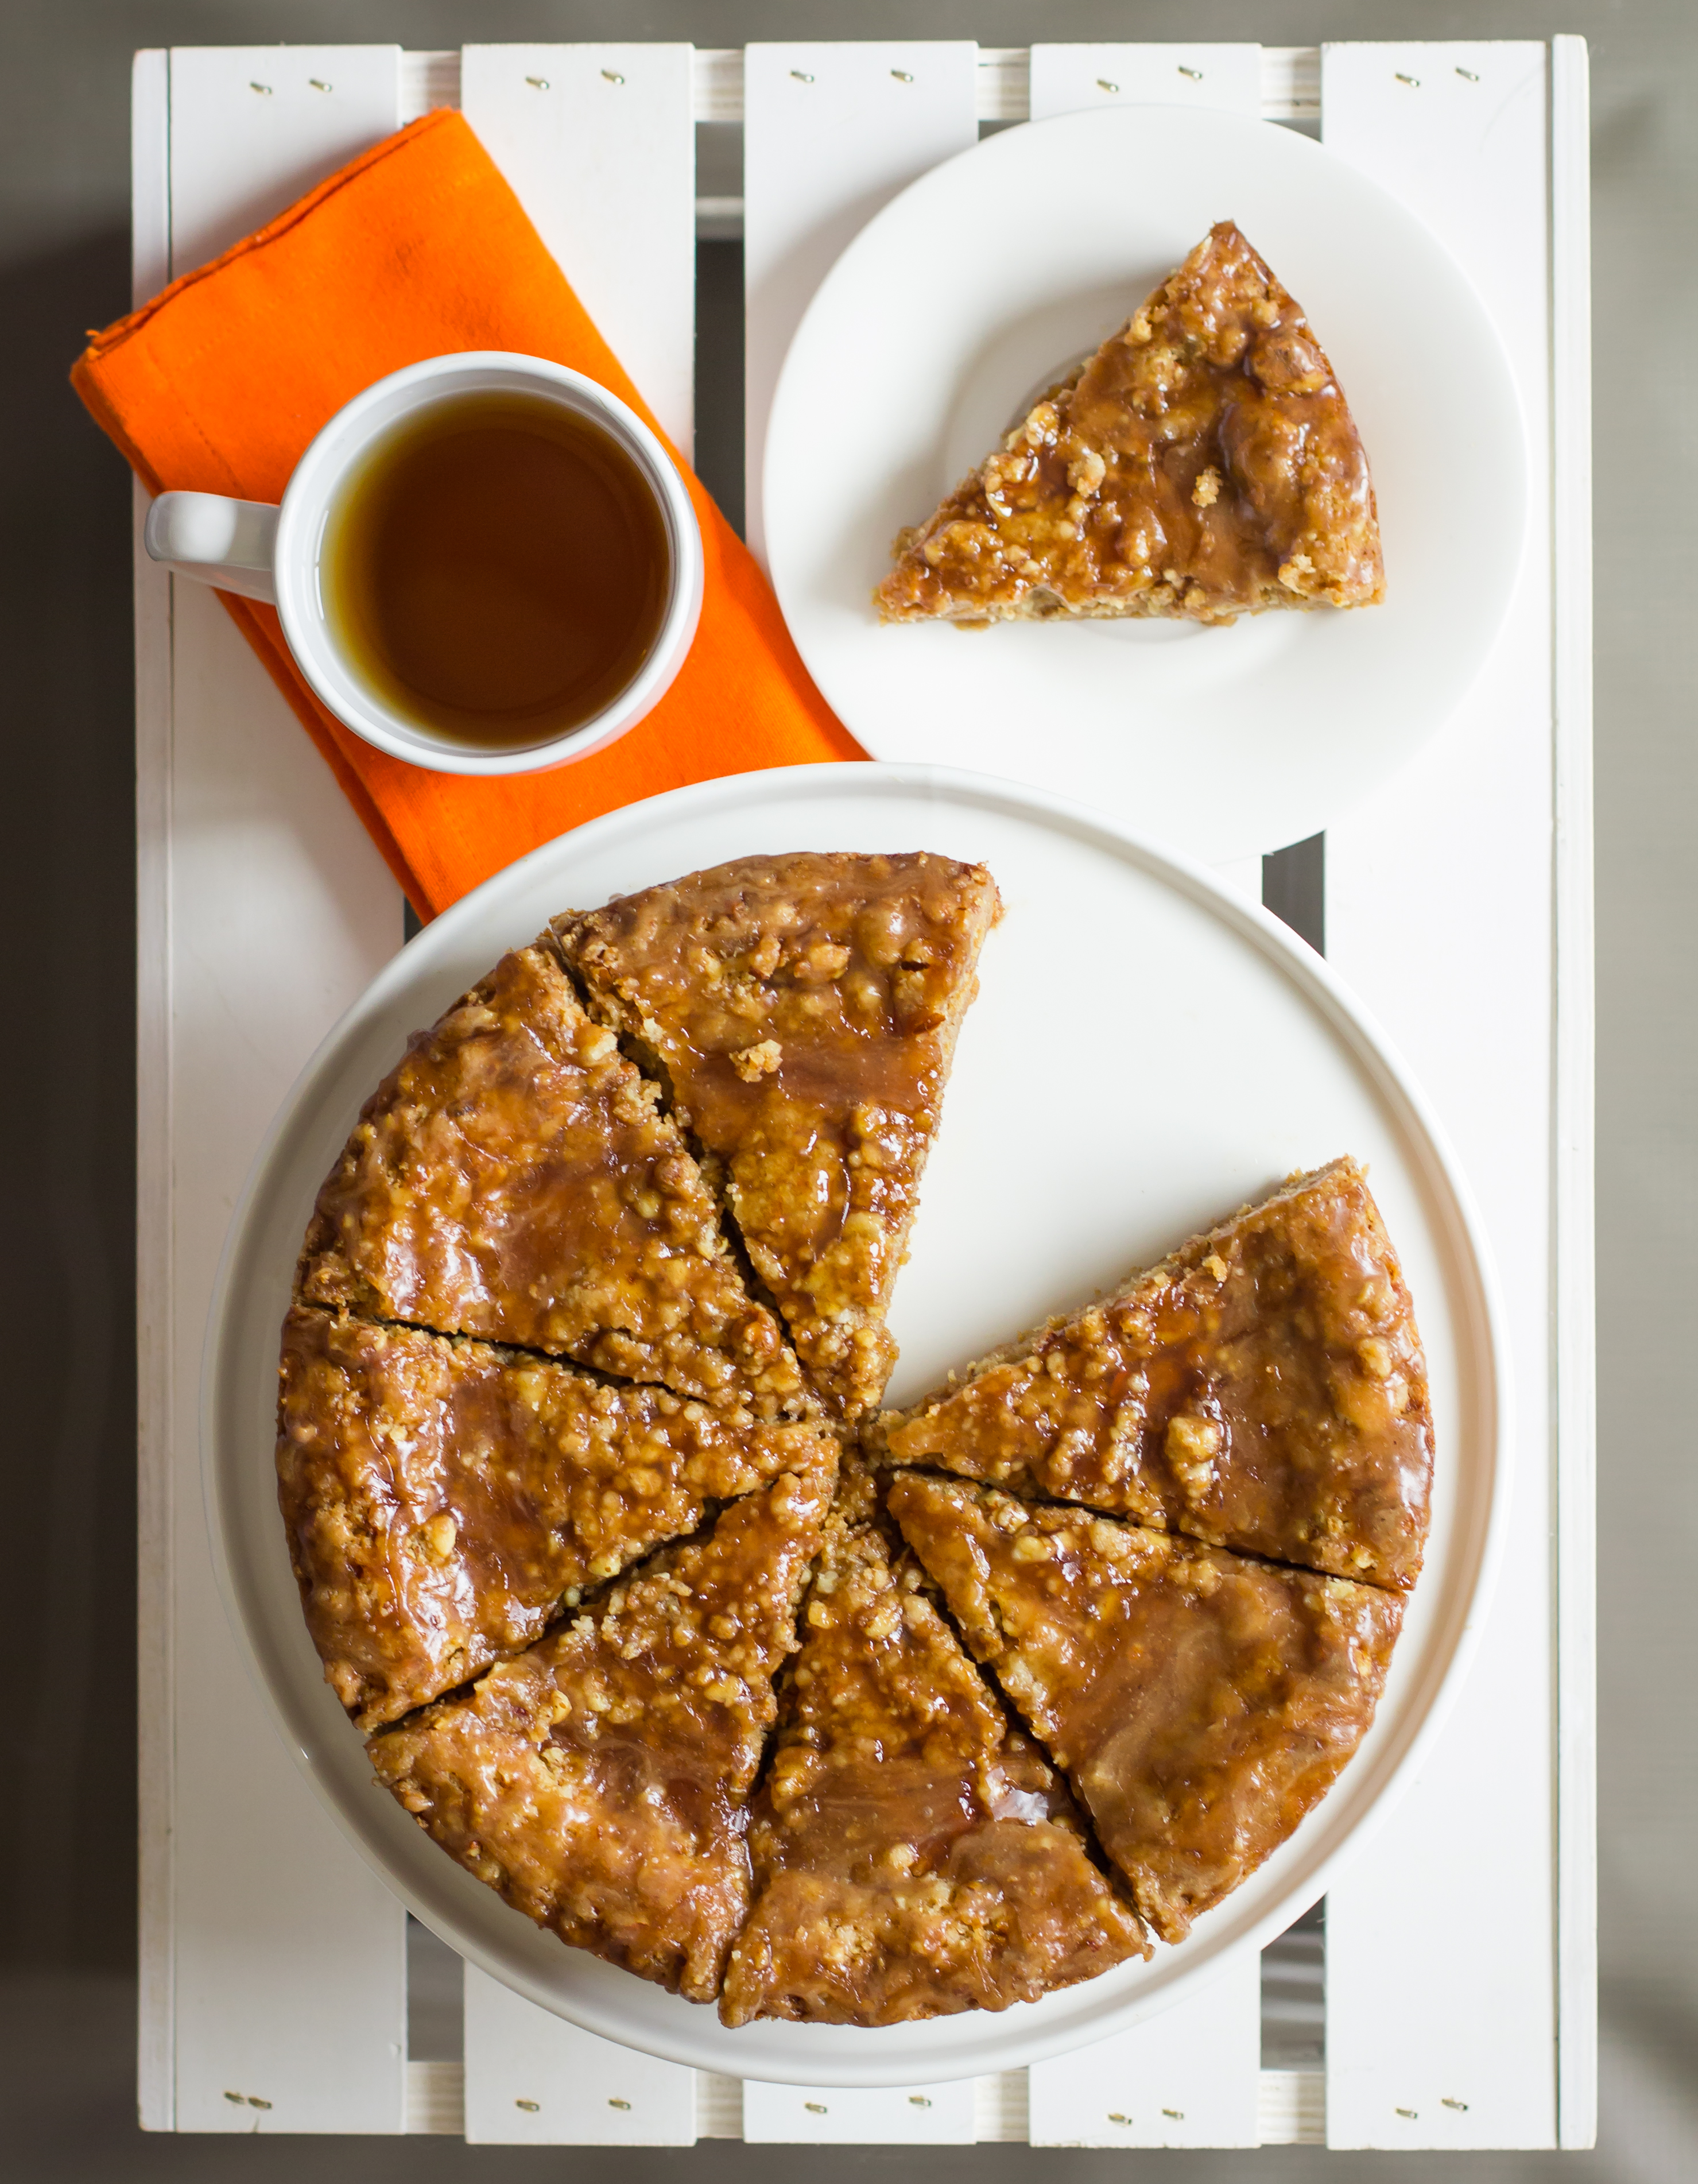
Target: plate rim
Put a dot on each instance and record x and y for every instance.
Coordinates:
(1394, 1084)
(1106, 118)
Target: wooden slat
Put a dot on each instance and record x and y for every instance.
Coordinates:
(1189, 2077)
(1570, 440)
(1065, 79)
(599, 145)
(150, 264)
(834, 2115)
(831, 133)
(262, 125)
(533, 2080)
(1440, 2017)
(273, 910)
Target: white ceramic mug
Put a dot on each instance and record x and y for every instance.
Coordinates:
(273, 553)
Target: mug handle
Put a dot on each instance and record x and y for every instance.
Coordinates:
(226, 542)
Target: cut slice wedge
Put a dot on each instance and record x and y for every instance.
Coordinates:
(445, 1500)
(1203, 464)
(515, 1177)
(1263, 1389)
(1199, 1703)
(914, 1855)
(598, 1782)
(803, 1010)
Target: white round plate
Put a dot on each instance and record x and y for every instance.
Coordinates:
(977, 288)
(1145, 1053)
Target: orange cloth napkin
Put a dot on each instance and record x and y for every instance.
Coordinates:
(417, 249)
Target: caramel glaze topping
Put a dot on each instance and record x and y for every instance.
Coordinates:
(515, 1177)
(1263, 1389)
(1200, 1703)
(803, 1010)
(1203, 464)
(914, 1855)
(444, 1500)
(598, 1782)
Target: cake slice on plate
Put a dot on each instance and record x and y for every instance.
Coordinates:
(1199, 1703)
(598, 1782)
(914, 1855)
(445, 1501)
(1203, 464)
(515, 1177)
(802, 1010)
(1263, 1389)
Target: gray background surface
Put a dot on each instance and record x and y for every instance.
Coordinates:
(67, 1803)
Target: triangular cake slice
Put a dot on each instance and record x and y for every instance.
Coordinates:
(1203, 464)
(1201, 1703)
(803, 1010)
(1263, 1389)
(914, 1854)
(598, 1782)
(515, 1177)
(445, 1501)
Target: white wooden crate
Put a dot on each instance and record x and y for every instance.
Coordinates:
(1459, 1953)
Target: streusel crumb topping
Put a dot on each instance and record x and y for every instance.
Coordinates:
(802, 1010)
(1203, 464)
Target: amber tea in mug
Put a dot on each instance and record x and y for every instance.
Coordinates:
(496, 569)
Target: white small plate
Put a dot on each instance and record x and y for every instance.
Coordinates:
(977, 288)
(1146, 1052)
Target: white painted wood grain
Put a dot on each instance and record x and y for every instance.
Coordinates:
(1571, 439)
(836, 2116)
(1440, 2005)
(599, 145)
(533, 2080)
(1065, 79)
(150, 265)
(271, 910)
(1189, 2077)
(831, 133)
(254, 127)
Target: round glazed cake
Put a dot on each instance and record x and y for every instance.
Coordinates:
(665, 1628)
